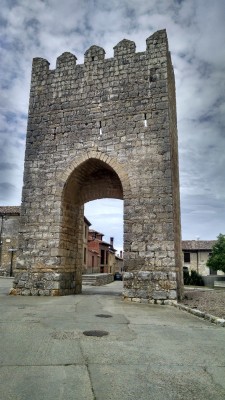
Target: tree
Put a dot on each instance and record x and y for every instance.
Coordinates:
(217, 259)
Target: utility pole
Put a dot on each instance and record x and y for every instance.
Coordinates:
(12, 251)
(1, 242)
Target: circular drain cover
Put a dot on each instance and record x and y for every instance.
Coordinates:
(103, 315)
(95, 333)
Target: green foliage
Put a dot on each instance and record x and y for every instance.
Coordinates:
(194, 279)
(217, 260)
(186, 277)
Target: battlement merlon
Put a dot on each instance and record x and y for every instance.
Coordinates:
(95, 54)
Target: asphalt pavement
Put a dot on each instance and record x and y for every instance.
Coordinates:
(95, 346)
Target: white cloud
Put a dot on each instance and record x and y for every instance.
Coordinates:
(196, 31)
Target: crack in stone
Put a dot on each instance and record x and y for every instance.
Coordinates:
(88, 370)
(205, 369)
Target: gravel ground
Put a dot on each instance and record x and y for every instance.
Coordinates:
(206, 300)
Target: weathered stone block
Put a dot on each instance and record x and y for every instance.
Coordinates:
(144, 275)
(25, 292)
(143, 294)
(34, 292)
(21, 284)
(127, 276)
(159, 295)
(129, 293)
(172, 294)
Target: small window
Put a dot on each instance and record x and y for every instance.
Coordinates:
(102, 256)
(187, 257)
(100, 128)
(145, 120)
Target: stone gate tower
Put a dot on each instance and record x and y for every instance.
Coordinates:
(104, 129)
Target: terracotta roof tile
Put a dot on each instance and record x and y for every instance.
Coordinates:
(9, 210)
(197, 244)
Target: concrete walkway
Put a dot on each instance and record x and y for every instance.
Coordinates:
(150, 352)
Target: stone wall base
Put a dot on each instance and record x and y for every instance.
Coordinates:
(156, 287)
(3, 272)
(45, 284)
(151, 301)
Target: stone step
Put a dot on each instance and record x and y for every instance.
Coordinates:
(89, 280)
(92, 278)
(97, 279)
(219, 284)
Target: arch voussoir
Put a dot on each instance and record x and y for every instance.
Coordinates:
(97, 155)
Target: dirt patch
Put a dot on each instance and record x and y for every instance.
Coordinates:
(209, 301)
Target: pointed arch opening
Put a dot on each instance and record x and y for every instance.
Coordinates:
(91, 180)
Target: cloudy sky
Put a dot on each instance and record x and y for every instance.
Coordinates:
(196, 33)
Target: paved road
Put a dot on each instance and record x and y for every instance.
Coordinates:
(150, 352)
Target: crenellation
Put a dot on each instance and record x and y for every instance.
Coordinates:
(124, 48)
(93, 56)
(40, 68)
(66, 62)
(107, 120)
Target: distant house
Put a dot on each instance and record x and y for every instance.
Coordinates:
(101, 254)
(112, 261)
(94, 254)
(196, 254)
(9, 227)
(119, 262)
(87, 224)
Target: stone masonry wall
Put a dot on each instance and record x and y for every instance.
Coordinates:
(106, 128)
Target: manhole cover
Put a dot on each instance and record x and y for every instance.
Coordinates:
(95, 333)
(103, 315)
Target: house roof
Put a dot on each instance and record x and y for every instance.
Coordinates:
(198, 244)
(111, 248)
(97, 233)
(9, 210)
(105, 243)
(86, 221)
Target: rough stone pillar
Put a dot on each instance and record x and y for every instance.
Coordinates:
(106, 128)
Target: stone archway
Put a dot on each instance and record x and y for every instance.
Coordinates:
(111, 119)
(91, 179)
